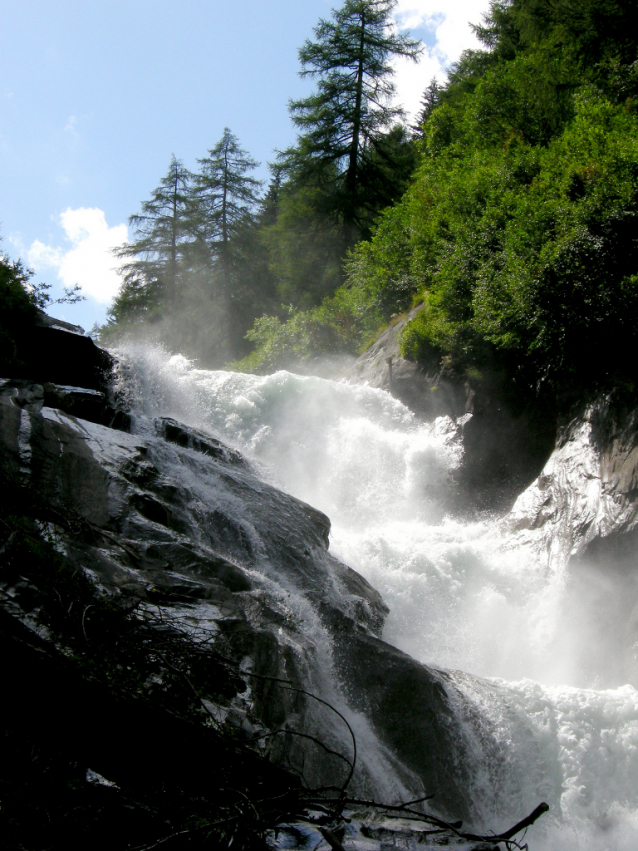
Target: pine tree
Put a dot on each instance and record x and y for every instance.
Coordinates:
(351, 107)
(225, 196)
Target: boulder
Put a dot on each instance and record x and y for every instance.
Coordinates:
(60, 353)
(506, 433)
(580, 517)
(168, 517)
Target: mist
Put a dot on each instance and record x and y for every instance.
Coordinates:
(540, 651)
(462, 594)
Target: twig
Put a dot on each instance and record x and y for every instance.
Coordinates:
(303, 736)
(91, 606)
(8, 543)
(331, 839)
(192, 688)
(291, 687)
(183, 833)
(521, 825)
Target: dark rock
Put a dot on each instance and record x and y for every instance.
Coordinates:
(197, 533)
(507, 437)
(191, 438)
(59, 353)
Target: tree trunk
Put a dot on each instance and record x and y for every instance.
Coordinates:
(353, 159)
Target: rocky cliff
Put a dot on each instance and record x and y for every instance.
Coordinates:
(169, 593)
(506, 436)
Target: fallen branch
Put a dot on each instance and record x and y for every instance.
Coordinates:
(451, 827)
(518, 827)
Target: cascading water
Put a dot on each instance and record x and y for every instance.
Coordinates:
(469, 596)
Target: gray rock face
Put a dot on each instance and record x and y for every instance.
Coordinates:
(581, 516)
(506, 440)
(170, 518)
(587, 491)
(424, 391)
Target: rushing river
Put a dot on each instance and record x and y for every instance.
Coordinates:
(467, 597)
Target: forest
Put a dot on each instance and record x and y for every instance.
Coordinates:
(508, 210)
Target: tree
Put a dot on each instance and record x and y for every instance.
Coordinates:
(152, 271)
(225, 195)
(351, 108)
(429, 100)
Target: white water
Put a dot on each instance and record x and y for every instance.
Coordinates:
(461, 596)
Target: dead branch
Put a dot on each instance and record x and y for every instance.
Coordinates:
(518, 827)
(303, 736)
(291, 687)
(331, 839)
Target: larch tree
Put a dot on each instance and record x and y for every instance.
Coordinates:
(429, 101)
(225, 195)
(152, 267)
(351, 108)
(224, 199)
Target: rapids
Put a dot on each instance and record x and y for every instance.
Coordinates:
(468, 597)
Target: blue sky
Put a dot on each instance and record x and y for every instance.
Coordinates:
(95, 96)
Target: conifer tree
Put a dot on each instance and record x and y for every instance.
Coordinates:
(225, 195)
(153, 259)
(351, 107)
(428, 102)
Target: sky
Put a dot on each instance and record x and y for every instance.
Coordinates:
(95, 97)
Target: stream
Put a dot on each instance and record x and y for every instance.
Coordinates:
(528, 652)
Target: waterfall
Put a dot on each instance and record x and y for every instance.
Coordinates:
(527, 659)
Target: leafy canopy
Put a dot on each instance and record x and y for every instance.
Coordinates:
(517, 234)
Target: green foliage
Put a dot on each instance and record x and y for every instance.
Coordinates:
(304, 247)
(525, 247)
(517, 233)
(288, 344)
(224, 192)
(154, 259)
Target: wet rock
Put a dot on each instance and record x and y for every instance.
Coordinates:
(187, 526)
(580, 517)
(587, 491)
(422, 389)
(192, 438)
(507, 434)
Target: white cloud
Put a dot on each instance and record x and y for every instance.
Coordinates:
(70, 126)
(450, 20)
(89, 261)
